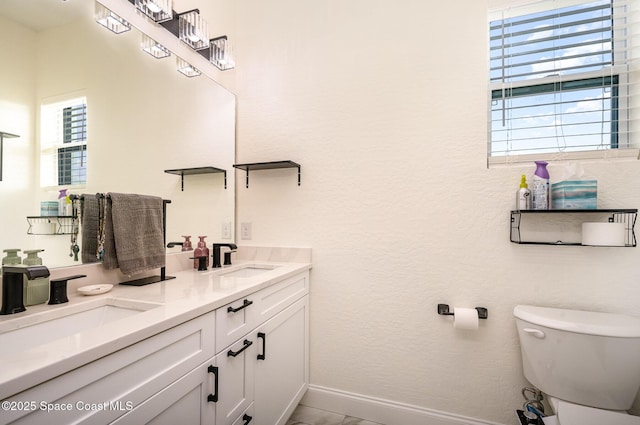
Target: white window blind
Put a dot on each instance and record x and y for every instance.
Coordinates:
(563, 80)
(63, 134)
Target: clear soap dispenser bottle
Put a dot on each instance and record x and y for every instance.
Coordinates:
(36, 291)
(200, 251)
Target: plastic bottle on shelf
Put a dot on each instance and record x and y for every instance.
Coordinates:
(200, 251)
(523, 196)
(62, 201)
(540, 187)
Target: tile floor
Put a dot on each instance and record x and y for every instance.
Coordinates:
(304, 415)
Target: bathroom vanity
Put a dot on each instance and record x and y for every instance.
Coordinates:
(220, 347)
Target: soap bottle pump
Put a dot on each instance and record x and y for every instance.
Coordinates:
(523, 196)
(12, 257)
(200, 251)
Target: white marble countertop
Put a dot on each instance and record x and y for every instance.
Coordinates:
(190, 294)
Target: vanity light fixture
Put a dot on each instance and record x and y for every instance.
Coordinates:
(110, 20)
(158, 10)
(154, 48)
(186, 68)
(221, 53)
(193, 30)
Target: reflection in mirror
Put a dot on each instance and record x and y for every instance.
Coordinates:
(142, 118)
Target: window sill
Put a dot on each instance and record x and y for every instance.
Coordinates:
(587, 156)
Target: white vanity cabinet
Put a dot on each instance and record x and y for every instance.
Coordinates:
(272, 371)
(243, 363)
(260, 370)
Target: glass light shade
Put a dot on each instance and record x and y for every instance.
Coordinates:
(185, 68)
(110, 20)
(193, 30)
(158, 10)
(154, 48)
(221, 53)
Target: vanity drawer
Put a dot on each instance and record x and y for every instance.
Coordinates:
(272, 300)
(241, 316)
(235, 320)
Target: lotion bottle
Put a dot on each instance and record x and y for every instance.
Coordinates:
(523, 196)
(201, 251)
(540, 187)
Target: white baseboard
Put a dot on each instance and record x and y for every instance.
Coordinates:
(381, 411)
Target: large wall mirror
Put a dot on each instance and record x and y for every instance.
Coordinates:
(143, 117)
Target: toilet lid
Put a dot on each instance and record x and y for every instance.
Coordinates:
(573, 414)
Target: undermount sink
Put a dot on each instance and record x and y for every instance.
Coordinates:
(58, 322)
(248, 271)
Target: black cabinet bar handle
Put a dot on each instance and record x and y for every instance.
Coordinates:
(247, 419)
(263, 336)
(213, 397)
(245, 304)
(246, 345)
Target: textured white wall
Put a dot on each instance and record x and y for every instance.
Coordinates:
(384, 105)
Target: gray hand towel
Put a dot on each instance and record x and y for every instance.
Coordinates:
(137, 232)
(89, 218)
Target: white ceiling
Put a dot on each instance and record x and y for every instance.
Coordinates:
(43, 14)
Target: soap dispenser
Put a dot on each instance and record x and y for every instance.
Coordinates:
(11, 259)
(186, 245)
(200, 251)
(36, 291)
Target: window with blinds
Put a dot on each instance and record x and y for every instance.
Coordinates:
(561, 80)
(63, 159)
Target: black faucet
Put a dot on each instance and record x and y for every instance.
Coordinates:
(216, 254)
(58, 289)
(13, 286)
(172, 244)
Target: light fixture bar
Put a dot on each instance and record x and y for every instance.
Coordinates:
(163, 34)
(110, 20)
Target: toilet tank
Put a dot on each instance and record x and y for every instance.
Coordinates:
(583, 357)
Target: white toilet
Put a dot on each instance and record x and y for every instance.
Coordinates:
(586, 363)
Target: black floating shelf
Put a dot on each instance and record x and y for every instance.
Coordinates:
(620, 215)
(252, 166)
(197, 170)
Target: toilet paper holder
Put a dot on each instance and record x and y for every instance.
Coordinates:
(443, 309)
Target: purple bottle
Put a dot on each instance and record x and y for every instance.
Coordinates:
(540, 187)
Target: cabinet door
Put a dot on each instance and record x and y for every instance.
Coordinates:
(185, 402)
(235, 380)
(282, 364)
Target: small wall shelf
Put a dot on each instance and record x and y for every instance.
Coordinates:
(626, 216)
(197, 170)
(52, 225)
(4, 135)
(267, 166)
